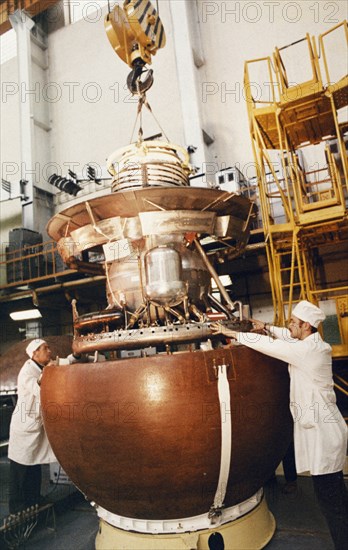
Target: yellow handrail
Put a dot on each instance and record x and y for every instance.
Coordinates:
(322, 47)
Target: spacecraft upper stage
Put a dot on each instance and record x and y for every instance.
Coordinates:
(158, 277)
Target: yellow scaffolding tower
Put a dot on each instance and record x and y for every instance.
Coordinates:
(301, 207)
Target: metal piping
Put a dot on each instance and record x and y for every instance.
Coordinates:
(215, 276)
(219, 306)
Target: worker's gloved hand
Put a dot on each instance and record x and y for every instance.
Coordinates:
(53, 362)
(218, 328)
(258, 325)
(74, 358)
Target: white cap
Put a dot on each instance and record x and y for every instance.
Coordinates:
(33, 346)
(309, 313)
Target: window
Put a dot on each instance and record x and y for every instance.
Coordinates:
(8, 45)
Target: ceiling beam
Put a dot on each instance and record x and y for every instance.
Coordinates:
(32, 7)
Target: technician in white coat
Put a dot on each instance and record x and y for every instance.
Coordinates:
(28, 444)
(320, 431)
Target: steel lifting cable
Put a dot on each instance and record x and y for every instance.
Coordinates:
(156, 120)
(143, 101)
(136, 120)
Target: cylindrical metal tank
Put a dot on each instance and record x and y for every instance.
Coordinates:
(124, 283)
(163, 271)
(195, 274)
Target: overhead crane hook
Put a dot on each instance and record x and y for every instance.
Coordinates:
(136, 33)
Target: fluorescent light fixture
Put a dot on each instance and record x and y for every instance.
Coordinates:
(25, 315)
(225, 280)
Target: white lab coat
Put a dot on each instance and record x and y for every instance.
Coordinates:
(28, 442)
(320, 431)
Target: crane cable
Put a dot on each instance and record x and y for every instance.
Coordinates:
(143, 101)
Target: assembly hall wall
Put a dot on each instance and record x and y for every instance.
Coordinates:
(90, 112)
(95, 113)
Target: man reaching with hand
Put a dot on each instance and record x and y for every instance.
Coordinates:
(320, 432)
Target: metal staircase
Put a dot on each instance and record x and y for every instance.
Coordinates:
(303, 206)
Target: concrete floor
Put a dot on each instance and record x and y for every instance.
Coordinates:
(300, 524)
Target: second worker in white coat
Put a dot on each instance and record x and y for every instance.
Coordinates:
(28, 444)
(320, 431)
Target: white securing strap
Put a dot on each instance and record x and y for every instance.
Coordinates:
(181, 525)
(226, 436)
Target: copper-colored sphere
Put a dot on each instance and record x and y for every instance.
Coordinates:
(141, 437)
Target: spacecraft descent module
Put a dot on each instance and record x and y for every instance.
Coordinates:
(173, 444)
